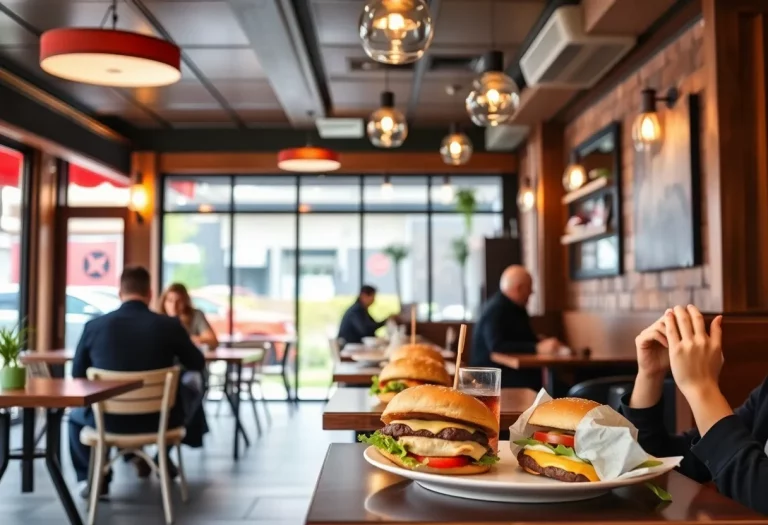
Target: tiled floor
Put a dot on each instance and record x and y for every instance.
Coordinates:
(270, 485)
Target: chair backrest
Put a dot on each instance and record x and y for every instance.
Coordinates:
(157, 395)
(335, 345)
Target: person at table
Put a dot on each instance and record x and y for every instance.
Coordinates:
(727, 446)
(357, 322)
(131, 339)
(505, 326)
(176, 302)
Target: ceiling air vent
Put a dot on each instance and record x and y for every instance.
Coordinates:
(340, 128)
(563, 55)
(505, 138)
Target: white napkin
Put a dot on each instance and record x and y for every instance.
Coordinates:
(604, 437)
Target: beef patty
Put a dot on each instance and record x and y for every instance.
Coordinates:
(449, 434)
(559, 474)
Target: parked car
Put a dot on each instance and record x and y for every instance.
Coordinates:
(245, 321)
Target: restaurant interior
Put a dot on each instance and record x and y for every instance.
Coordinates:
(278, 157)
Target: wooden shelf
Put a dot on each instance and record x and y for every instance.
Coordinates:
(584, 233)
(586, 190)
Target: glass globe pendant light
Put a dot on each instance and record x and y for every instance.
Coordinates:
(575, 176)
(396, 31)
(526, 197)
(387, 127)
(495, 97)
(456, 148)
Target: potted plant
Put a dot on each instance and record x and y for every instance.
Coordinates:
(460, 249)
(12, 341)
(466, 204)
(397, 252)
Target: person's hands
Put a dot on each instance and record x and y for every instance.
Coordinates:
(695, 357)
(652, 350)
(548, 346)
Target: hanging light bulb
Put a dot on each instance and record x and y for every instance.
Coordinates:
(495, 97)
(386, 187)
(387, 127)
(396, 31)
(646, 130)
(456, 148)
(526, 197)
(446, 191)
(575, 175)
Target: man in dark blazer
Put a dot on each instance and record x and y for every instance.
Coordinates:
(504, 326)
(130, 339)
(357, 322)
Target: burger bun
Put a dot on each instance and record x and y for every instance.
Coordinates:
(423, 351)
(423, 370)
(563, 414)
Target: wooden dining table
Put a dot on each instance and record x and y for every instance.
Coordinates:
(550, 364)
(235, 358)
(349, 491)
(53, 395)
(355, 374)
(355, 409)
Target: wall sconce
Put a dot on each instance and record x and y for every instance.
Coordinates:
(526, 197)
(575, 176)
(138, 198)
(646, 130)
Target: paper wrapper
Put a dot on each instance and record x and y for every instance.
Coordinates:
(603, 437)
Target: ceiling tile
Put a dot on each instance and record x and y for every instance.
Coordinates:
(13, 34)
(49, 14)
(336, 21)
(441, 115)
(200, 23)
(226, 63)
(183, 96)
(470, 22)
(184, 117)
(255, 118)
(247, 94)
(366, 94)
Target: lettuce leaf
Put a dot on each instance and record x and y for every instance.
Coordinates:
(389, 444)
(559, 450)
(488, 460)
(392, 386)
(662, 494)
(648, 464)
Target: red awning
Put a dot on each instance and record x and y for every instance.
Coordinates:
(184, 187)
(11, 162)
(90, 179)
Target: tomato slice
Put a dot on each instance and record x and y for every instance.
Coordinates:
(554, 438)
(442, 461)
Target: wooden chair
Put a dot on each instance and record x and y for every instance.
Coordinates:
(251, 377)
(335, 345)
(158, 395)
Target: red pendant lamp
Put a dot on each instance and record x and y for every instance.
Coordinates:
(308, 159)
(109, 57)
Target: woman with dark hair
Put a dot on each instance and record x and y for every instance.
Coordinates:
(176, 302)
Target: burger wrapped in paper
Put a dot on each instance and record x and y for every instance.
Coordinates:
(423, 351)
(405, 373)
(438, 430)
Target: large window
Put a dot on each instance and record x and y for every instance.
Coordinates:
(287, 254)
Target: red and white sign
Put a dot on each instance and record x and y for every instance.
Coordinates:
(378, 265)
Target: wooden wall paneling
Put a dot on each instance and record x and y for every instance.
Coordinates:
(351, 162)
(43, 230)
(735, 43)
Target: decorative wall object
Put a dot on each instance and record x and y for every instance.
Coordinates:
(666, 194)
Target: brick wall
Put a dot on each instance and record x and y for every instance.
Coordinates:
(681, 64)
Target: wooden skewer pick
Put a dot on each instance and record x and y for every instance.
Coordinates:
(459, 351)
(413, 324)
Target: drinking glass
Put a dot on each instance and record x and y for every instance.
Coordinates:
(485, 385)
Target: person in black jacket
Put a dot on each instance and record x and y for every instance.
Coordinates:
(130, 339)
(727, 446)
(504, 326)
(357, 322)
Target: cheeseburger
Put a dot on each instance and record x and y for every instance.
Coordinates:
(418, 350)
(550, 450)
(404, 373)
(438, 430)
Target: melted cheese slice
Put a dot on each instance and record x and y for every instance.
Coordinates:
(422, 446)
(433, 426)
(551, 460)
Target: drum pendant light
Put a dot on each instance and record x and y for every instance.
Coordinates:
(308, 159)
(109, 57)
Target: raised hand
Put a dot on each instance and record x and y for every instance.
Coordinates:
(652, 349)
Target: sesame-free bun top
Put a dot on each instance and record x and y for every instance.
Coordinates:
(417, 350)
(564, 413)
(439, 403)
(416, 369)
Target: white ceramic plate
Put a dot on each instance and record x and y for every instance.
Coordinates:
(506, 482)
(369, 357)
